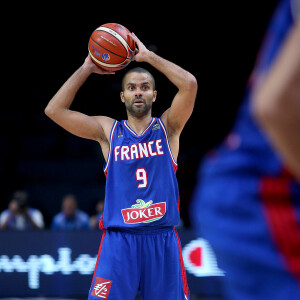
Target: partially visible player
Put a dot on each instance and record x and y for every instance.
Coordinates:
(277, 102)
(247, 202)
(140, 247)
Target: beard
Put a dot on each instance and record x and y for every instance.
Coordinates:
(138, 110)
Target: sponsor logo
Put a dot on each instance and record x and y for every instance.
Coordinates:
(119, 27)
(105, 56)
(200, 260)
(96, 51)
(101, 288)
(144, 212)
(46, 264)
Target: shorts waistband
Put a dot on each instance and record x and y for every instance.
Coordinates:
(142, 230)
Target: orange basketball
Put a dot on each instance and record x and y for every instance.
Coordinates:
(111, 46)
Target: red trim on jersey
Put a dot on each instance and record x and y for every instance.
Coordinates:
(100, 248)
(175, 167)
(178, 205)
(282, 219)
(183, 273)
(101, 225)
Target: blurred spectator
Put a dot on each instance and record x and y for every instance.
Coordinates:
(70, 218)
(94, 220)
(19, 216)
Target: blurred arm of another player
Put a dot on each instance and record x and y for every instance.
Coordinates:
(90, 127)
(277, 102)
(182, 105)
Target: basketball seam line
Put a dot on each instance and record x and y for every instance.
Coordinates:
(116, 37)
(109, 50)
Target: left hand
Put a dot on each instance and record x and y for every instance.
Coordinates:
(141, 52)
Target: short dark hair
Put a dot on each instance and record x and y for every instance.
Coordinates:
(138, 70)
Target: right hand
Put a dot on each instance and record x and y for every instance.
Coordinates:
(93, 68)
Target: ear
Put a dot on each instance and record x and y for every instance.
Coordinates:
(154, 95)
(122, 97)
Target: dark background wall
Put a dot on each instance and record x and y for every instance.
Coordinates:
(44, 44)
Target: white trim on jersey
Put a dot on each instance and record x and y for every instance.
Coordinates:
(133, 132)
(110, 145)
(166, 136)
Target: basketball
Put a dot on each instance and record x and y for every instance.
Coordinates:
(111, 46)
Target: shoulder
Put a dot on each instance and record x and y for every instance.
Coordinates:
(3, 216)
(34, 211)
(82, 215)
(4, 212)
(58, 217)
(106, 124)
(170, 131)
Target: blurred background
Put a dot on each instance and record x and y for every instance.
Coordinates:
(44, 44)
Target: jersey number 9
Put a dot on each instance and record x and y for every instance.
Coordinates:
(141, 175)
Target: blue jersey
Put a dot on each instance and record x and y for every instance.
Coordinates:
(246, 203)
(141, 184)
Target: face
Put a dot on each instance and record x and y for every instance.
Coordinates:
(138, 94)
(69, 206)
(14, 207)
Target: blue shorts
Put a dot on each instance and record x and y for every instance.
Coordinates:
(149, 261)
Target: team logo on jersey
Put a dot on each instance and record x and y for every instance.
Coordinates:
(156, 126)
(144, 212)
(101, 288)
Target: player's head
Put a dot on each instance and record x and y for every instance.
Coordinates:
(138, 70)
(138, 91)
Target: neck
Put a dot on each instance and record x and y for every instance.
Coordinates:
(139, 124)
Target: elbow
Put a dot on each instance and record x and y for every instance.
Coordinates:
(49, 111)
(192, 83)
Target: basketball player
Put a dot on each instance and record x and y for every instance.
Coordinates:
(140, 248)
(247, 202)
(277, 102)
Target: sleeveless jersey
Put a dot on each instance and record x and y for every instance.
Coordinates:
(141, 185)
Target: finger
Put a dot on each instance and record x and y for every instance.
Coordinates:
(135, 38)
(136, 52)
(108, 72)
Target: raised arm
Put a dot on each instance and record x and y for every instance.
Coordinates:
(58, 109)
(183, 103)
(277, 102)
